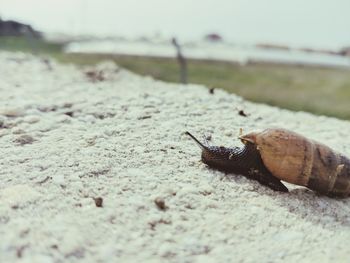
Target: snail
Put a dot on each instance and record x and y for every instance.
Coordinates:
(276, 155)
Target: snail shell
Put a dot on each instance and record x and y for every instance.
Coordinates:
(295, 159)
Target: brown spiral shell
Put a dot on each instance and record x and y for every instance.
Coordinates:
(295, 159)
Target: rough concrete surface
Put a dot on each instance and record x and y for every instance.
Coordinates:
(95, 167)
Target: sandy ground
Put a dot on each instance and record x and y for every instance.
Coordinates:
(67, 140)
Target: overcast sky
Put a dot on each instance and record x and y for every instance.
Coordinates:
(315, 23)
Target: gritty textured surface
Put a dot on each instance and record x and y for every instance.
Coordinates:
(95, 167)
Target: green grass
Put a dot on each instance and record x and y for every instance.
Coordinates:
(29, 45)
(323, 91)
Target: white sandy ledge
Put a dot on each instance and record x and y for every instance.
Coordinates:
(126, 144)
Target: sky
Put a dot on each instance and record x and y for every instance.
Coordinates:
(310, 23)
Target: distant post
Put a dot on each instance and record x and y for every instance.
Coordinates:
(182, 62)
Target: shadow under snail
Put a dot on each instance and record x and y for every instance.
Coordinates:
(276, 155)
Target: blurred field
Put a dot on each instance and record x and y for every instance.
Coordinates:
(318, 90)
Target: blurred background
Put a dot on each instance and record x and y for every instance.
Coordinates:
(291, 54)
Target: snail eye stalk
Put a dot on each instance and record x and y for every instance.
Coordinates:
(201, 145)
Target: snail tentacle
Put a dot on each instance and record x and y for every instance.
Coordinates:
(201, 145)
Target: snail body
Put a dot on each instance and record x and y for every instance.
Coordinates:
(246, 161)
(278, 154)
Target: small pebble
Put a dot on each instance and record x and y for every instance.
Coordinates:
(242, 113)
(69, 113)
(160, 203)
(98, 201)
